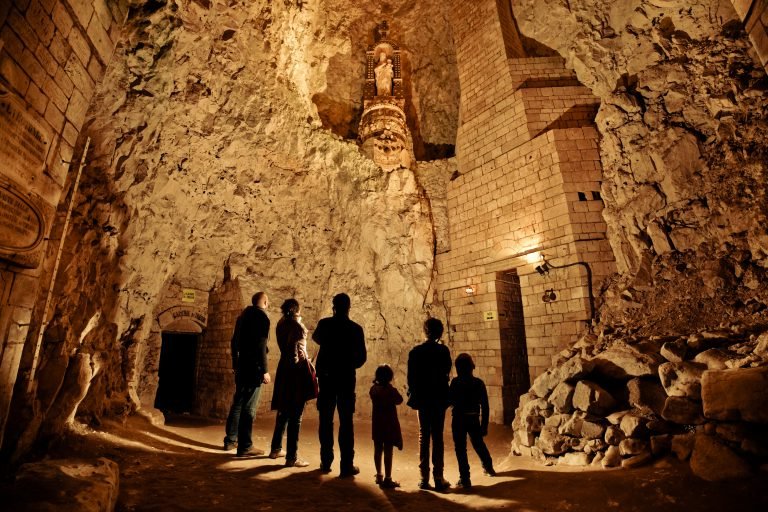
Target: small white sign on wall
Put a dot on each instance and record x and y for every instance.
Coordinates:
(489, 316)
(187, 295)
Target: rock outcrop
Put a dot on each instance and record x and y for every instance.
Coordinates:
(76, 485)
(682, 120)
(709, 416)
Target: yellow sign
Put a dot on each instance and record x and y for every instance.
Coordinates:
(489, 316)
(187, 295)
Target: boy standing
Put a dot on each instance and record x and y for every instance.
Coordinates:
(469, 399)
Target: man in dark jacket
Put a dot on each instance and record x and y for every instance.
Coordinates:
(249, 363)
(342, 352)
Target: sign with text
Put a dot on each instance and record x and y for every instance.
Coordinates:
(187, 295)
(489, 316)
(24, 146)
(24, 139)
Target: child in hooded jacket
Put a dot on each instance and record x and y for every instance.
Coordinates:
(385, 425)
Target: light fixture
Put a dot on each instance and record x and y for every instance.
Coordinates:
(470, 291)
(549, 296)
(543, 269)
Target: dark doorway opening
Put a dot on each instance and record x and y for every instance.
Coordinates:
(177, 375)
(514, 350)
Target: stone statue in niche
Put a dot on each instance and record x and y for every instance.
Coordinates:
(384, 134)
(384, 75)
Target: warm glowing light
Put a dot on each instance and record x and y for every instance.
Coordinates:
(534, 257)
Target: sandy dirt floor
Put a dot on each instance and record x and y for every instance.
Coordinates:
(181, 467)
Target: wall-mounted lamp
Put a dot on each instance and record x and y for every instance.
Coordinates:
(470, 291)
(543, 269)
(549, 296)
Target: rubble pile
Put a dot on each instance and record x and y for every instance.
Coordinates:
(615, 399)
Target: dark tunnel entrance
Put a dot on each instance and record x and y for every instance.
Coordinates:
(177, 374)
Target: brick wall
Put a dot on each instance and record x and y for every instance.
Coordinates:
(529, 188)
(754, 14)
(215, 380)
(52, 55)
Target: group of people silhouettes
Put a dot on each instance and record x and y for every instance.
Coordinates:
(332, 381)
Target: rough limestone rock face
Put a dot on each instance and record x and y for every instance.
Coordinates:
(683, 120)
(66, 485)
(212, 160)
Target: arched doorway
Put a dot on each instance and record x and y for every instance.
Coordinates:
(177, 372)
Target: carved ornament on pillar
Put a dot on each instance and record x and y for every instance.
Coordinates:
(384, 133)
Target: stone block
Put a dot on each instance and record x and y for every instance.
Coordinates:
(575, 459)
(572, 426)
(614, 435)
(713, 358)
(590, 397)
(647, 395)
(661, 444)
(545, 383)
(23, 291)
(40, 22)
(633, 446)
(62, 19)
(561, 397)
(574, 369)
(632, 425)
(79, 44)
(78, 106)
(592, 430)
(682, 445)
(682, 379)
(551, 442)
(78, 75)
(60, 49)
(612, 457)
(624, 361)
(674, 351)
(636, 460)
(738, 394)
(713, 461)
(683, 411)
(83, 10)
(22, 29)
(100, 39)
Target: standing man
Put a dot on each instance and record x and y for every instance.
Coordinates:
(249, 363)
(342, 352)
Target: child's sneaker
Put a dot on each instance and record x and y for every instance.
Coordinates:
(464, 483)
(489, 471)
(379, 479)
(388, 483)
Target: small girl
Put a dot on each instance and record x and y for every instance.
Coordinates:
(385, 425)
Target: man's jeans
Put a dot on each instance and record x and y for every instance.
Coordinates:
(333, 395)
(240, 418)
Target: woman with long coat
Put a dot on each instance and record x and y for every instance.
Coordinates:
(290, 385)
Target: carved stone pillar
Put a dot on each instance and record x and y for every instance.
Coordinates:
(384, 134)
